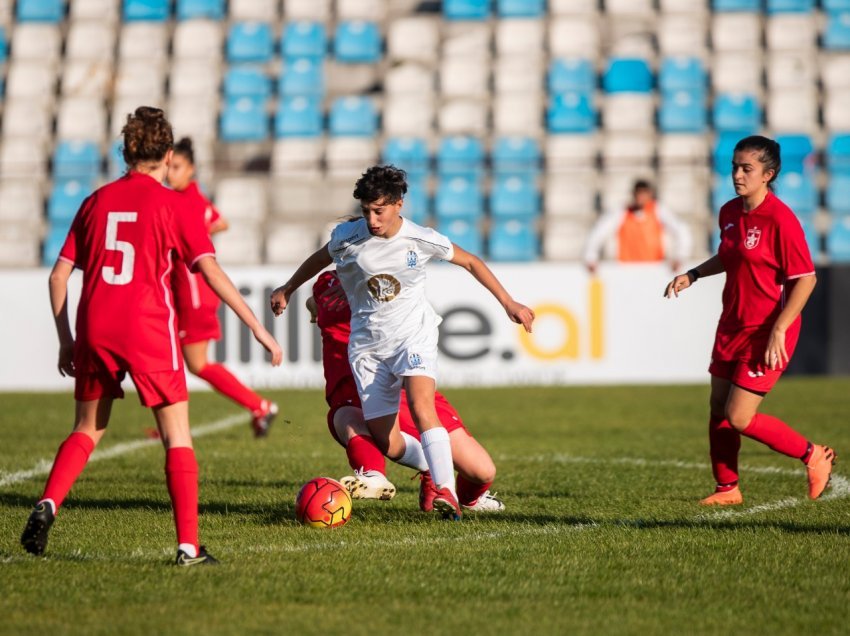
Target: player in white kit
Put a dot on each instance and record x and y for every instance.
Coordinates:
(380, 259)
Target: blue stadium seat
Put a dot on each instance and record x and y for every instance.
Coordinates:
(298, 116)
(574, 74)
(838, 241)
(796, 152)
(4, 46)
(244, 119)
(117, 165)
(76, 160)
(838, 154)
(459, 198)
(66, 196)
(191, 9)
(837, 32)
(465, 234)
(40, 10)
(519, 156)
(514, 197)
(513, 240)
(627, 75)
(721, 192)
(53, 243)
(683, 111)
(357, 42)
(146, 10)
(247, 81)
(838, 194)
(790, 6)
(739, 113)
(682, 73)
(835, 5)
(250, 42)
(353, 116)
(304, 39)
(463, 156)
(302, 76)
(408, 153)
(520, 8)
(570, 113)
(466, 9)
(724, 149)
(736, 5)
(416, 199)
(812, 237)
(798, 191)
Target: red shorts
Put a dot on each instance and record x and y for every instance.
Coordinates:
(155, 389)
(446, 413)
(198, 325)
(739, 357)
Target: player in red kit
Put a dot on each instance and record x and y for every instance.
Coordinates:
(769, 278)
(126, 238)
(197, 304)
(329, 309)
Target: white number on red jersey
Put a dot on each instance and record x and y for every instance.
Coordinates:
(128, 253)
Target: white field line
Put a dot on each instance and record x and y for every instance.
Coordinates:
(42, 467)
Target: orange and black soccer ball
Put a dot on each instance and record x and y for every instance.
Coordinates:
(323, 503)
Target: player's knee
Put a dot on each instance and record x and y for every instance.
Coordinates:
(195, 367)
(422, 411)
(739, 418)
(718, 408)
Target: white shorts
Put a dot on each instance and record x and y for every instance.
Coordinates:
(379, 379)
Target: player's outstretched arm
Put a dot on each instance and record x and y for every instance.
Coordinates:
(517, 312)
(314, 264)
(224, 287)
(681, 282)
(58, 284)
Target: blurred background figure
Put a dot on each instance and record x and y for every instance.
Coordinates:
(640, 230)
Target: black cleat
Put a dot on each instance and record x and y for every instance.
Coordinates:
(262, 423)
(34, 538)
(203, 558)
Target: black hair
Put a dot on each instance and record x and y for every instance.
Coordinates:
(768, 150)
(642, 184)
(386, 183)
(184, 148)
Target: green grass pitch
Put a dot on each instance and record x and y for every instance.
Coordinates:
(601, 534)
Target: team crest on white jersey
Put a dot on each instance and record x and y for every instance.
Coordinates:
(753, 236)
(383, 287)
(414, 361)
(412, 259)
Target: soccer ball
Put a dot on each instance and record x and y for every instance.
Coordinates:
(323, 503)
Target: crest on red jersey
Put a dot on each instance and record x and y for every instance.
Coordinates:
(753, 236)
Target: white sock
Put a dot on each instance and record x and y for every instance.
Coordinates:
(189, 549)
(52, 505)
(438, 451)
(413, 456)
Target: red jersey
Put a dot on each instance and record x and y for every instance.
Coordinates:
(335, 326)
(125, 238)
(761, 251)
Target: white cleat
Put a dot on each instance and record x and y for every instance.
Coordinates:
(487, 503)
(368, 484)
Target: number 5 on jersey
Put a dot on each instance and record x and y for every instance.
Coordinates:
(128, 253)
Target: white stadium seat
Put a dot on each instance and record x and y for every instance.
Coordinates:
(192, 117)
(408, 116)
(792, 70)
(35, 41)
(312, 10)
(619, 183)
(570, 194)
(792, 110)
(409, 79)
(685, 191)
(241, 244)
(735, 31)
(144, 41)
(198, 39)
(21, 202)
(350, 156)
(361, 9)
(836, 115)
(194, 78)
(682, 6)
(518, 114)
(468, 40)
(518, 74)
(90, 40)
(791, 32)
(626, 112)
(677, 149)
(629, 7)
(87, 78)
(23, 158)
(627, 149)
(142, 80)
(574, 37)
(103, 10)
(242, 199)
(27, 117)
(736, 72)
(568, 152)
(250, 10)
(682, 34)
(573, 7)
(463, 117)
(414, 38)
(18, 245)
(298, 197)
(294, 156)
(460, 77)
(835, 71)
(29, 79)
(288, 242)
(564, 239)
(520, 37)
(81, 118)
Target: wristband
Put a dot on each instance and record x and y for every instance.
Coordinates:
(695, 273)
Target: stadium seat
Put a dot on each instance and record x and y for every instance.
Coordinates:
(116, 166)
(87, 78)
(574, 36)
(104, 10)
(836, 115)
(521, 37)
(682, 33)
(194, 9)
(198, 39)
(682, 74)
(247, 81)
(573, 7)
(797, 152)
(682, 111)
(520, 8)
(736, 5)
(302, 76)
(81, 119)
(682, 150)
(361, 10)
(836, 36)
(838, 154)
(408, 115)
(570, 113)
(40, 10)
(353, 116)
(798, 191)
(628, 8)
(242, 244)
(90, 40)
(737, 31)
(460, 156)
(736, 72)
(793, 110)
(462, 77)
(65, 199)
(465, 234)
(22, 157)
(298, 116)
(29, 119)
(462, 117)
(299, 157)
(516, 156)
(571, 152)
(466, 9)
(197, 78)
(838, 241)
(357, 42)
(21, 201)
(144, 41)
(515, 197)
(264, 10)
(835, 5)
(304, 39)
(37, 42)
(416, 200)
(518, 114)
(30, 80)
(812, 238)
(627, 75)
(628, 112)
(790, 6)
(513, 240)
(53, 243)
(310, 10)
(838, 194)
(739, 113)
(4, 46)
(147, 10)
(458, 197)
(570, 194)
(572, 74)
(250, 42)
(287, 242)
(628, 150)
(518, 75)
(791, 32)
(242, 199)
(76, 160)
(414, 38)
(244, 119)
(564, 239)
(409, 79)
(724, 149)
(408, 153)
(349, 157)
(799, 69)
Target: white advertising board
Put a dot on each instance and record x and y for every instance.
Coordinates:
(614, 328)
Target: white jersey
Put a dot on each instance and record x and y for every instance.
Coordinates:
(384, 280)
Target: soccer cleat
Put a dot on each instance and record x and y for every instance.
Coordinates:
(34, 537)
(819, 469)
(203, 558)
(368, 484)
(486, 503)
(446, 504)
(427, 491)
(724, 498)
(262, 423)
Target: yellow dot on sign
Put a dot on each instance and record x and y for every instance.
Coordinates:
(568, 348)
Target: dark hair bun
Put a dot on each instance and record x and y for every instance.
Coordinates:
(184, 148)
(147, 136)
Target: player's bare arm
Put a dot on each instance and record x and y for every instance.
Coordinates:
(775, 355)
(517, 312)
(314, 264)
(681, 282)
(58, 283)
(226, 290)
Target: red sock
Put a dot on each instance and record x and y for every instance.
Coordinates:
(363, 454)
(724, 445)
(181, 475)
(468, 492)
(777, 435)
(228, 385)
(70, 460)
